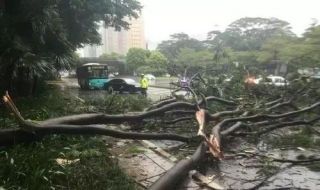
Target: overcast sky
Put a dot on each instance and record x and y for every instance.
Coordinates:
(197, 17)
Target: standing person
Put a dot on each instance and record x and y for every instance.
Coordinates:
(144, 85)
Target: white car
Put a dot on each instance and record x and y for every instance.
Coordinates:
(150, 77)
(272, 80)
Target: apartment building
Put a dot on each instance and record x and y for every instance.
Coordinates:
(119, 41)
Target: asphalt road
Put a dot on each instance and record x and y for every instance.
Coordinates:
(72, 84)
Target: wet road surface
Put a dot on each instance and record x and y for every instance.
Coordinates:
(154, 93)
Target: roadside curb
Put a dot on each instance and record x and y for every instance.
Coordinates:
(155, 86)
(158, 150)
(196, 175)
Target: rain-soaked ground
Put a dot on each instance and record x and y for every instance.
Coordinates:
(237, 173)
(243, 172)
(71, 84)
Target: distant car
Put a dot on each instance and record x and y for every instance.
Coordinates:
(272, 80)
(111, 75)
(150, 77)
(122, 85)
(316, 77)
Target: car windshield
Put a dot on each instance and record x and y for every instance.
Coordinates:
(129, 81)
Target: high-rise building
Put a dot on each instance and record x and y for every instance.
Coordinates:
(136, 34)
(119, 41)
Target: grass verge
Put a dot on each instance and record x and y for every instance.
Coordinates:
(58, 162)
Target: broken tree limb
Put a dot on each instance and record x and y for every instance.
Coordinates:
(178, 120)
(259, 117)
(209, 117)
(178, 172)
(216, 130)
(213, 117)
(282, 125)
(274, 102)
(220, 100)
(88, 119)
(288, 103)
(161, 104)
(181, 112)
(12, 136)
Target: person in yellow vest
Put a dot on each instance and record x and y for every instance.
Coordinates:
(144, 85)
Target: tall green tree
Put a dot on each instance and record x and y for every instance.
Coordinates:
(171, 48)
(157, 64)
(248, 58)
(112, 56)
(53, 30)
(249, 33)
(136, 57)
(191, 60)
(157, 60)
(273, 48)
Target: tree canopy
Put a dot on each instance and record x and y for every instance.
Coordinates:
(170, 48)
(157, 60)
(136, 57)
(111, 56)
(252, 41)
(50, 31)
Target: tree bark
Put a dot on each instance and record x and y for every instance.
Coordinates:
(178, 172)
(8, 77)
(20, 78)
(34, 84)
(16, 136)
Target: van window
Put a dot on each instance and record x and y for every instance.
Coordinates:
(277, 80)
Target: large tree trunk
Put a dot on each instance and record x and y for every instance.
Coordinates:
(8, 77)
(178, 172)
(34, 84)
(20, 77)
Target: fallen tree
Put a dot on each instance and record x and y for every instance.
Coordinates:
(180, 170)
(234, 117)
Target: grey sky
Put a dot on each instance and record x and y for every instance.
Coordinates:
(197, 17)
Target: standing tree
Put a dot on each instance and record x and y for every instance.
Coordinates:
(248, 34)
(136, 57)
(172, 47)
(112, 56)
(53, 30)
(190, 61)
(157, 64)
(157, 60)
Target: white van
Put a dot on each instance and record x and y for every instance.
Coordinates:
(272, 80)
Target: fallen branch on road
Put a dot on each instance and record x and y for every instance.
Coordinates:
(179, 171)
(13, 136)
(88, 119)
